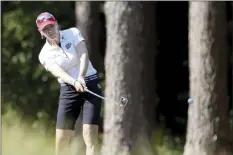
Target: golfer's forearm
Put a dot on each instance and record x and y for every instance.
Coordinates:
(84, 58)
(60, 73)
(83, 64)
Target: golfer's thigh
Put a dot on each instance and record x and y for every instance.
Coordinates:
(68, 112)
(92, 107)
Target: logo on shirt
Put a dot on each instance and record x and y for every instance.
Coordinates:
(56, 55)
(68, 45)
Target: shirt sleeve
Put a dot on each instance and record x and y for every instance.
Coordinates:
(78, 37)
(45, 61)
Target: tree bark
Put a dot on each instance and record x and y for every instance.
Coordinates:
(87, 16)
(208, 123)
(126, 129)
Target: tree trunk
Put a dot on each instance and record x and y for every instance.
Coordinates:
(208, 123)
(87, 16)
(125, 129)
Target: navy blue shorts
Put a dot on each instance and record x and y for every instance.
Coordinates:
(71, 103)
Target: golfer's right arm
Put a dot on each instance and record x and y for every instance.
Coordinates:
(57, 71)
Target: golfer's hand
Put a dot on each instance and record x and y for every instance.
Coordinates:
(78, 86)
(82, 81)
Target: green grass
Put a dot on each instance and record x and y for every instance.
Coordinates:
(21, 138)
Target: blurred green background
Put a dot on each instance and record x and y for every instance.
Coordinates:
(30, 94)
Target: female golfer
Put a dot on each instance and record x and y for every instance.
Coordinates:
(65, 55)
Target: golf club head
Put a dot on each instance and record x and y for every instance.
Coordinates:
(123, 101)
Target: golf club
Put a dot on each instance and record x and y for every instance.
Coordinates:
(122, 103)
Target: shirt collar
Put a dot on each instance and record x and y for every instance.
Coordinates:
(61, 38)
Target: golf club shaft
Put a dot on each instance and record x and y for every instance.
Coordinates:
(87, 90)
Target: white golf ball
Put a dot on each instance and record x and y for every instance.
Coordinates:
(190, 100)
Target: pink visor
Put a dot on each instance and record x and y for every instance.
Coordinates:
(45, 19)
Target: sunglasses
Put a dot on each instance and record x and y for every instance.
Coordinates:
(45, 17)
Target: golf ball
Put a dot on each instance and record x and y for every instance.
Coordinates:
(190, 100)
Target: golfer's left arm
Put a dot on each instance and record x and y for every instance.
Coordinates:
(84, 58)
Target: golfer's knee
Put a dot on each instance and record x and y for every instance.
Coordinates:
(63, 137)
(90, 134)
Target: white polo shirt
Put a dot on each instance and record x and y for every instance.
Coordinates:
(65, 56)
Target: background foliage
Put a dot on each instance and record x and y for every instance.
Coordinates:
(30, 94)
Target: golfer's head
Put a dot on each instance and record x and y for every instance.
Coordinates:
(47, 25)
